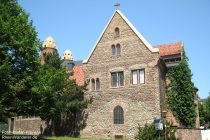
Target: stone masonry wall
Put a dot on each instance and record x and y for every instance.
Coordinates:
(188, 134)
(141, 103)
(29, 126)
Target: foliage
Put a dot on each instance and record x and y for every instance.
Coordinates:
(181, 93)
(202, 113)
(148, 132)
(57, 96)
(18, 58)
(207, 117)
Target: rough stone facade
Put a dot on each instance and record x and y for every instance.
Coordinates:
(33, 125)
(140, 103)
(188, 134)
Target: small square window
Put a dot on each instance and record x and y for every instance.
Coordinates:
(138, 76)
(117, 79)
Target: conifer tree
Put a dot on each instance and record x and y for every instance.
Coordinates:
(58, 96)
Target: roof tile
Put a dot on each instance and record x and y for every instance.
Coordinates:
(170, 49)
(78, 75)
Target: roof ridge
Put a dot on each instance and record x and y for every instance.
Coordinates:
(181, 42)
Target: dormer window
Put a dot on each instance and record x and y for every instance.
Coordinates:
(117, 32)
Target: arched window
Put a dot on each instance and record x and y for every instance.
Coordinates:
(118, 48)
(92, 84)
(113, 50)
(117, 32)
(97, 84)
(118, 115)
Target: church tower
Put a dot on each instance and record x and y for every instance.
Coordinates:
(49, 46)
(68, 60)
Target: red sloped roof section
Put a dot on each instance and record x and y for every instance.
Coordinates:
(78, 75)
(170, 49)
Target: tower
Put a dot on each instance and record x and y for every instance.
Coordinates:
(49, 46)
(68, 59)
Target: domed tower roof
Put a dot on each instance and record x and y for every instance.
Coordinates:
(49, 43)
(68, 55)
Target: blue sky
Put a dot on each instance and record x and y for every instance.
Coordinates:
(76, 25)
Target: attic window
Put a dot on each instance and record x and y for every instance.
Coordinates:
(92, 84)
(113, 50)
(117, 32)
(118, 49)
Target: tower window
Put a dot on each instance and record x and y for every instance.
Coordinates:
(117, 32)
(69, 66)
(118, 115)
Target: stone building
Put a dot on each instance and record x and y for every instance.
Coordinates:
(126, 77)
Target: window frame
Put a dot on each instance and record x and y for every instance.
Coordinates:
(118, 81)
(97, 84)
(118, 49)
(138, 76)
(118, 115)
(117, 31)
(113, 48)
(93, 88)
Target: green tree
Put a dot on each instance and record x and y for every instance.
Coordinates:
(58, 97)
(202, 113)
(207, 117)
(181, 93)
(18, 58)
(148, 132)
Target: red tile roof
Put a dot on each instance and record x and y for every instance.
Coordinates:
(170, 49)
(78, 75)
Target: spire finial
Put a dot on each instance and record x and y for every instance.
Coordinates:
(116, 5)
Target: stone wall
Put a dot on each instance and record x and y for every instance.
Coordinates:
(28, 125)
(188, 134)
(141, 103)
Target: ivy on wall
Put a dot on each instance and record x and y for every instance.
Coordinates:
(181, 94)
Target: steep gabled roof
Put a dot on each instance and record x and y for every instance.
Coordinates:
(170, 49)
(146, 43)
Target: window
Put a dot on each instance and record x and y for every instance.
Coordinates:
(113, 50)
(69, 66)
(117, 79)
(97, 84)
(138, 76)
(117, 32)
(118, 115)
(134, 77)
(118, 49)
(92, 84)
